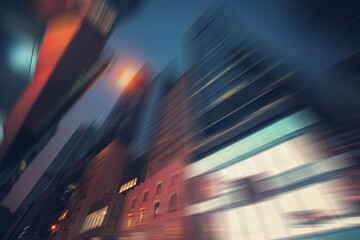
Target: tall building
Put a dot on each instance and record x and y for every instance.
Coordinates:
(53, 185)
(6, 220)
(260, 168)
(157, 89)
(21, 33)
(153, 209)
(68, 64)
(94, 208)
(88, 210)
(72, 152)
(61, 210)
(146, 128)
(124, 116)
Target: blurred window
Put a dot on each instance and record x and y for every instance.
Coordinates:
(146, 195)
(158, 188)
(133, 204)
(156, 209)
(173, 202)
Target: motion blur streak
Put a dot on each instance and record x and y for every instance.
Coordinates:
(255, 137)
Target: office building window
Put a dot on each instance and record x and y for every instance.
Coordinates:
(156, 209)
(142, 215)
(146, 195)
(173, 202)
(158, 188)
(133, 204)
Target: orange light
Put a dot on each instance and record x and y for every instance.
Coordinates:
(53, 227)
(127, 75)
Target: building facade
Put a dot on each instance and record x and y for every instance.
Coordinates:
(154, 208)
(94, 208)
(260, 169)
(60, 79)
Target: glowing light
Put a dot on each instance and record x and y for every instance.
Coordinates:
(53, 227)
(20, 55)
(125, 78)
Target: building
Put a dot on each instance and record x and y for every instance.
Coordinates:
(124, 116)
(60, 79)
(145, 130)
(260, 167)
(94, 208)
(94, 196)
(6, 220)
(72, 152)
(153, 209)
(157, 89)
(52, 181)
(21, 33)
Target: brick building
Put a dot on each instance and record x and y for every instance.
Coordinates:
(154, 209)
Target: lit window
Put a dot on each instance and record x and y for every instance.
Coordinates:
(146, 195)
(22, 166)
(156, 209)
(128, 185)
(173, 202)
(94, 220)
(158, 188)
(141, 218)
(129, 223)
(133, 204)
(63, 215)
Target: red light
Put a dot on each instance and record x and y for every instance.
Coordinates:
(53, 227)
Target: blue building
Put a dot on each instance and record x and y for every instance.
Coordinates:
(261, 168)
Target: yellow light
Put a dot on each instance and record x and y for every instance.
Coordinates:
(126, 77)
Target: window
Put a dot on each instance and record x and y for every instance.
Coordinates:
(128, 185)
(63, 215)
(141, 218)
(158, 188)
(146, 195)
(94, 220)
(133, 204)
(129, 223)
(173, 202)
(156, 209)
(174, 179)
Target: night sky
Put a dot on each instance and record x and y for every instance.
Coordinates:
(153, 36)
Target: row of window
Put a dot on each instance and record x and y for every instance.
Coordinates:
(128, 185)
(94, 220)
(156, 210)
(174, 181)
